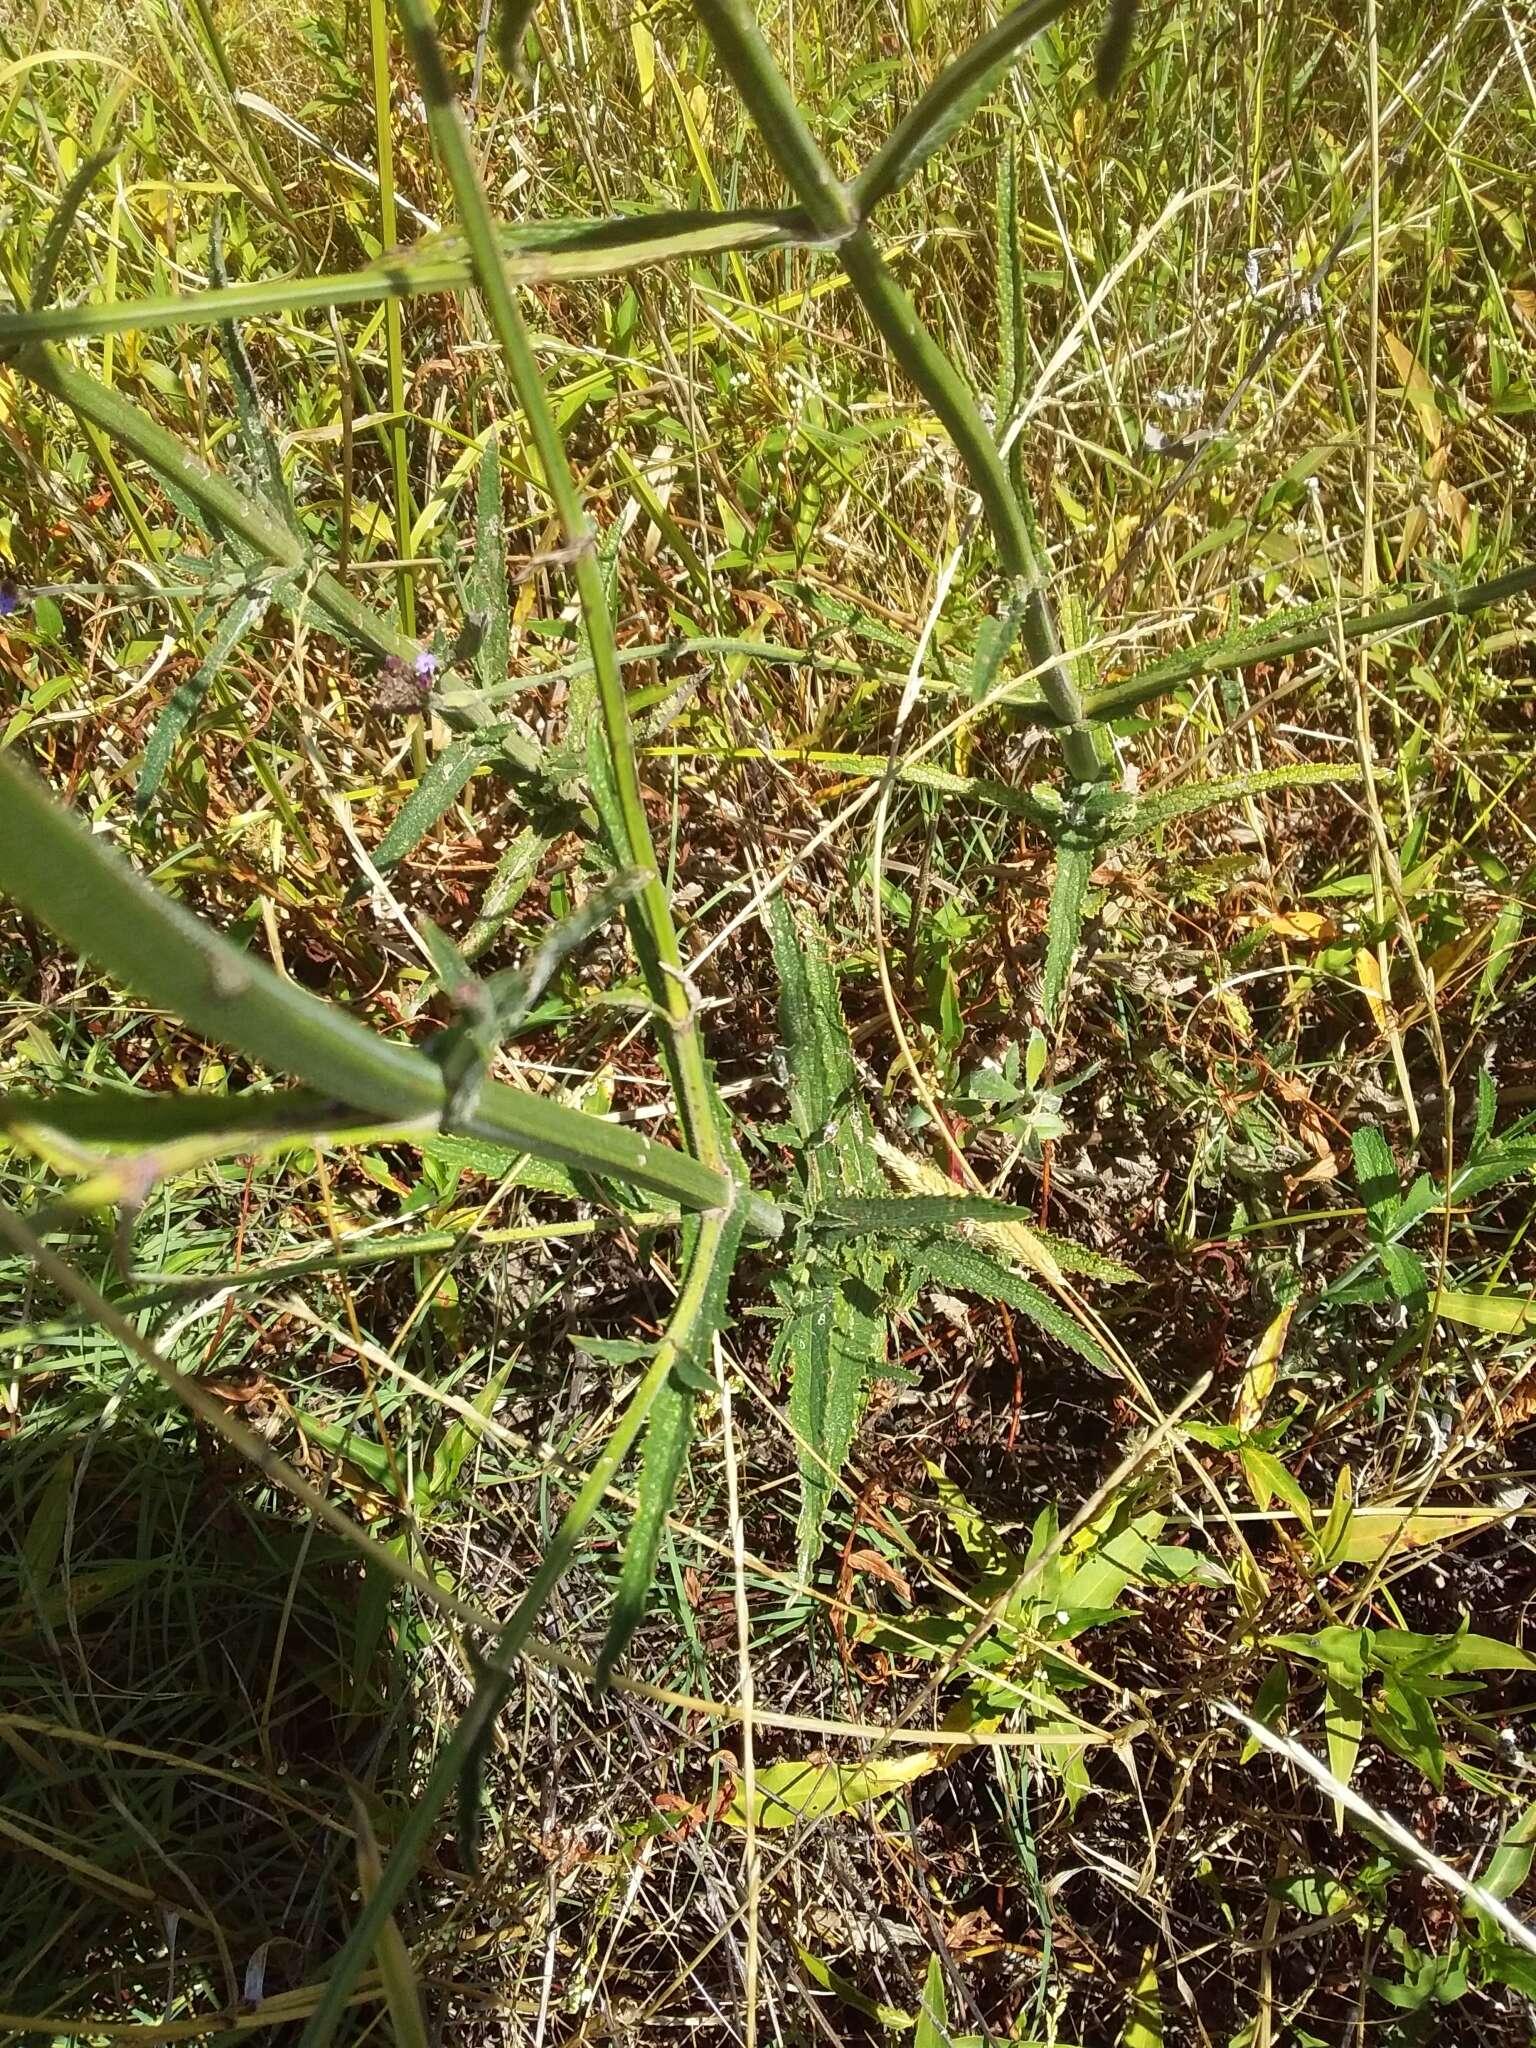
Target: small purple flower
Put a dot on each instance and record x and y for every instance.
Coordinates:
(405, 684)
(10, 598)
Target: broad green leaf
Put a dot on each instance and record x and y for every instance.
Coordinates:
(1486, 1653)
(1510, 1864)
(1376, 1178)
(894, 1213)
(1504, 939)
(1331, 1537)
(1374, 1531)
(1269, 1479)
(1012, 335)
(825, 1099)
(1144, 2023)
(793, 1790)
(1021, 1243)
(459, 1440)
(1344, 1721)
(1502, 1314)
(1268, 1706)
(1402, 1719)
(57, 1606)
(43, 1543)
(822, 1973)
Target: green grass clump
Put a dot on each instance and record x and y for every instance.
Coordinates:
(767, 1153)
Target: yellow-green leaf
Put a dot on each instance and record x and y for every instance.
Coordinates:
(1259, 1377)
(1504, 1314)
(1372, 1531)
(793, 1789)
(1417, 388)
(1144, 2022)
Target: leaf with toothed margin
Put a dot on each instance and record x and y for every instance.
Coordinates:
(1064, 927)
(961, 1267)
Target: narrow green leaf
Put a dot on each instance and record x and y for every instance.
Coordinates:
(950, 101)
(1296, 632)
(439, 788)
(834, 1346)
(516, 868)
(186, 699)
(921, 1212)
(667, 1437)
(1012, 338)
(402, 1992)
(1064, 926)
(1191, 799)
(487, 586)
(536, 252)
(826, 1102)
(932, 2029)
(711, 1246)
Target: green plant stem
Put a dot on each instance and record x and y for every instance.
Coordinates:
(456, 1754)
(535, 252)
(378, 35)
(120, 420)
(738, 40)
(71, 880)
(1296, 635)
(650, 911)
(949, 100)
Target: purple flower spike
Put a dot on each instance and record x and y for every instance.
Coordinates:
(426, 670)
(10, 598)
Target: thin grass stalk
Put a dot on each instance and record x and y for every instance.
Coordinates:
(399, 453)
(650, 909)
(733, 29)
